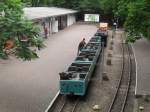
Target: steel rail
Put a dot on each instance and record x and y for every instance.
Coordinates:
(65, 104)
(120, 80)
(129, 79)
(74, 108)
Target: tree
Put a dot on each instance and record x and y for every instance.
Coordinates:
(90, 6)
(26, 3)
(18, 30)
(108, 6)
(137, 22)
(121, 10)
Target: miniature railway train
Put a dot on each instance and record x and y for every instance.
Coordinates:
(74, 81)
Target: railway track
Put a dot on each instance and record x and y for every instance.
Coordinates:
(118, 103)
(65, 104)
(69, 105)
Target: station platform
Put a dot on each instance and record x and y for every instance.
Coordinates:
(142, 54)
(30, 86)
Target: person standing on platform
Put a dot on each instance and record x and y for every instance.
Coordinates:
(81, 45)
(45, 31)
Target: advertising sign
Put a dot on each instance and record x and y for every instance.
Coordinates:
(91, 17)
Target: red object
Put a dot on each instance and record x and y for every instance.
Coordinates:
(9, 44)
(23, 38)
(45, 30)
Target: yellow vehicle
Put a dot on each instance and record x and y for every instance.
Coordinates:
(103, 26)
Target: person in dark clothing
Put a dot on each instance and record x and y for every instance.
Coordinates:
(81, 45)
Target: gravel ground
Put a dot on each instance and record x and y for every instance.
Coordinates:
(143, 103)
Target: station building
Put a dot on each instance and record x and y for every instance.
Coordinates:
(54, 19)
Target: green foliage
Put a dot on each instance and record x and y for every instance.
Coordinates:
(131, 39)
(138, 18)
(25, 53)
(13, 27)
(121, 11)
(108, 6)
(90, 6)
(26, 3)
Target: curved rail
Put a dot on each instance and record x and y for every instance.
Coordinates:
(122, 106)
(129, 80)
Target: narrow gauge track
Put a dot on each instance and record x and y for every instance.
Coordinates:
(69, 105)
(118, 103)
(65, 103)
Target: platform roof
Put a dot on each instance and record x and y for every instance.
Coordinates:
(33, 13)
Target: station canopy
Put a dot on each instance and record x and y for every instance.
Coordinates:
(33, 13)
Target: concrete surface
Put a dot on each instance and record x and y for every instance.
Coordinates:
(142, 54)
(30, 86)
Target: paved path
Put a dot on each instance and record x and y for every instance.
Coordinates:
(142, 54)
(30, 86)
